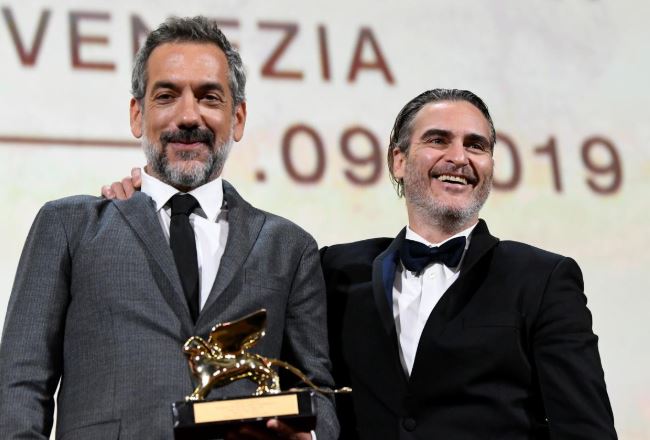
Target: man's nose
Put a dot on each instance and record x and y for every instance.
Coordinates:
(456, 154)
(188, 112)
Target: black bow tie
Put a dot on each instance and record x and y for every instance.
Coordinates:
(416, 256)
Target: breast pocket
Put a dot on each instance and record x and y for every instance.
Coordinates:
(265, 280)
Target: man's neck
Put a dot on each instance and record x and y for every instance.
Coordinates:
(438, 230)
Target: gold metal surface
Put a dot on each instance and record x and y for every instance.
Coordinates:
(225, 358)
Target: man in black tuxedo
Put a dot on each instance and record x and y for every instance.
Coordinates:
(446, 332)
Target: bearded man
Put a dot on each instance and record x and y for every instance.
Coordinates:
(447, 332)
(107, 291)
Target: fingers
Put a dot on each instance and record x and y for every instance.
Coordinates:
(107, 192)
(127, 187)
(285, 431)
(118, 190)
(136, 177)
(275, 430)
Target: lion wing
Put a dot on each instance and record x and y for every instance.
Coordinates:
(234, 336)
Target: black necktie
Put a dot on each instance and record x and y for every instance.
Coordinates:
(416, 256)
(181, 240)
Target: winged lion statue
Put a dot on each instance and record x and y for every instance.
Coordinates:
(224, 358)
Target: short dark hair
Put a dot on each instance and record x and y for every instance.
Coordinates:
(197, 29)
(400, 136)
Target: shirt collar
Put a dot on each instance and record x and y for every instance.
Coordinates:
(209, 195)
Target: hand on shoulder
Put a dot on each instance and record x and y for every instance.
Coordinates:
(124, 188)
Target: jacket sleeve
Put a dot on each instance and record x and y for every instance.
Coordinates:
(306, 334)
(565, 352)
(32, 340)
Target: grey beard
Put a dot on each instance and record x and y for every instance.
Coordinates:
(198, 175)
(448, 219)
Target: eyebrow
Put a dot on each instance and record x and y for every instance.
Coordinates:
(473, 137)
(469, 138)
(210, 86)
(436, 132)
(205, 87)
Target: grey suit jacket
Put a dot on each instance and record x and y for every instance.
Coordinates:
(97, 304)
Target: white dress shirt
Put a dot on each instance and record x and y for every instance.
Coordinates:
(415, 296)
(210, 224)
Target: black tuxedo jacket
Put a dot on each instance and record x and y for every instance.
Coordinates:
(507, 353)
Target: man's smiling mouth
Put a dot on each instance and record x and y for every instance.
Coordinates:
(447, 178)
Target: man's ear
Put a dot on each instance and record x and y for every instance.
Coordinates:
(239, 122)
(135, 111)
(399, 162)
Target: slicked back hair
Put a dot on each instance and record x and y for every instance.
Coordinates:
(400, 136)
(197, 29)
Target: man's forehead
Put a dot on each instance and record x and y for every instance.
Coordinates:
(183, 47)
(458, 117)
(187, 60)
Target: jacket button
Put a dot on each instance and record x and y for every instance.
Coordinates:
(409, 424)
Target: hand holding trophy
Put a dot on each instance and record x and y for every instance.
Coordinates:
(223, 359)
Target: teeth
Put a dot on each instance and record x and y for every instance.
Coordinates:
(456, 179)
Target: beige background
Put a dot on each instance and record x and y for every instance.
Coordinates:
(567, 69)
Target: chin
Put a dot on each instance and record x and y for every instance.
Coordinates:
(187, 166)
(188, 174)
(454, 204)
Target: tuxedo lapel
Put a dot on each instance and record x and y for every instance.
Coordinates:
(244, 226)
(385, 367)
(471, 274)
(456, 297)
(383, 279)
(140, 214)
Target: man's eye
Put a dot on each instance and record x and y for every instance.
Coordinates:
(164, 97)
(435, 141)
(212, 98)
(478, 146)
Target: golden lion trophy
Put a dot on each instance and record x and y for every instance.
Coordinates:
(223, 359)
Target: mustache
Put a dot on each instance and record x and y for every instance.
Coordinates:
(188, 136)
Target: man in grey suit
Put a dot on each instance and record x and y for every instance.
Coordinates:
(102, 305)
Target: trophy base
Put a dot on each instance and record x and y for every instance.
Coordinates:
(213, 419)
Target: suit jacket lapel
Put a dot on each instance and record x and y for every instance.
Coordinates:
(383, 279)
(456, 297)
(471, 274)
(140, 213)
(244, 226)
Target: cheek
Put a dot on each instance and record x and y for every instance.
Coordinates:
(217, 120)
(156, 120)
(424, 161)
(487, 168)
(484, 166)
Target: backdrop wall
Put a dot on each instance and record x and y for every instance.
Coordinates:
(565, 82)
